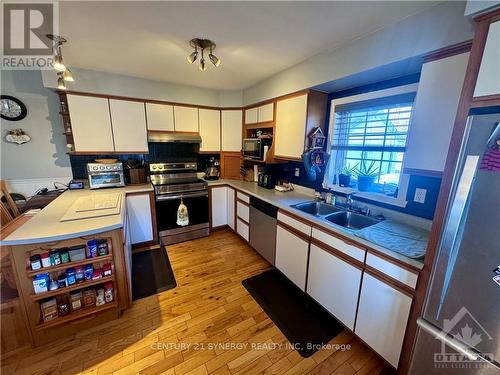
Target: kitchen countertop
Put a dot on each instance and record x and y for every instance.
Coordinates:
(46, 225)
(285, 200)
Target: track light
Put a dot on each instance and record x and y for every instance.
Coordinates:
(59, 63)
(202, 45)
(68, 76)
(60, 82)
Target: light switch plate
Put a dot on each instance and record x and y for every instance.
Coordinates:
(297, 172)
(420, 195)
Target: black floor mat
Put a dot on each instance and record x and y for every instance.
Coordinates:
(305, 324)
(151, 273)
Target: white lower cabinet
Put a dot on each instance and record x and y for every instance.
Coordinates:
(139, 217)
(334, 284)
(230, 207)
(291, 256)
(382, 317)
(219, 205)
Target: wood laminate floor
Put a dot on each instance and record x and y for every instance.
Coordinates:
(209, 324)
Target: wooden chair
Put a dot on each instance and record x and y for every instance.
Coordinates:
(10, 205)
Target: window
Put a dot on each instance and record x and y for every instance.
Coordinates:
(372, 134)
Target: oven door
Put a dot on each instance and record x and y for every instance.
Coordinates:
(166, 211)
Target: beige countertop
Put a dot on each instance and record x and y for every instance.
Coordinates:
(285, 200)
(47, 226)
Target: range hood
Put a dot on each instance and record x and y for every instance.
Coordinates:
(173, 137)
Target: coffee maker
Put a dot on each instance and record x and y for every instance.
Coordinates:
(213, 170)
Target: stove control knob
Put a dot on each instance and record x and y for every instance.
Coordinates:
(108, 167)
(95, 168)
(153, 167)
(101, 167)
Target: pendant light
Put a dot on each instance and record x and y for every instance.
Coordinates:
(201, 45)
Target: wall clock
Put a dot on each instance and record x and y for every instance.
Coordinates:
(12, 108)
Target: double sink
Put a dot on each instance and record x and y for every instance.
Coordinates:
(336, 215)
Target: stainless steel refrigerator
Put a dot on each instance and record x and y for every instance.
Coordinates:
(459, 332)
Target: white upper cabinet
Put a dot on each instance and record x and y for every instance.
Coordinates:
(383, 313)
(231, 130)
(90, 123)
(434, 113)
(209, 130)
(265, 113)
(186, 119)
(291, 117)
(251, 116)
(129, 126)
(488, 80)
(160, 117)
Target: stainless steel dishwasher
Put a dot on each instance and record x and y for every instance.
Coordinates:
(263, 228)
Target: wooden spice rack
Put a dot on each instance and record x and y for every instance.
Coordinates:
(77, 315)
(82, 285)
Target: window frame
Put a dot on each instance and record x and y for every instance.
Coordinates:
(356, 100)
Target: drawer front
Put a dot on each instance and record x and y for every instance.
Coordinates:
(245, 198)
(243, 211)
(355, 252)
(390, 269)
(242, 229)
(295, 224)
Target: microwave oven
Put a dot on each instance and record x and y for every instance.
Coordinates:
(253, 148)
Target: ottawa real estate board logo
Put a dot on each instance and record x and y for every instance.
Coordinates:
(25, 26)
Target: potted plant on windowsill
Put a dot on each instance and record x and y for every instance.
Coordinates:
(366, 175)
(345, 176)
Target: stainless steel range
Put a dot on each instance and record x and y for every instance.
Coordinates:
(172, 183)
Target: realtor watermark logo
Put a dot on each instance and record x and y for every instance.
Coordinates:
(465, 328)
(25, 45)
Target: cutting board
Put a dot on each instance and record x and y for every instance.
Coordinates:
(93, 207)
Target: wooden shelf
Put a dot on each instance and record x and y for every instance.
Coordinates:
(64, 266)
(268, 125)
(77, 315)
(255, 161)
(85, 284)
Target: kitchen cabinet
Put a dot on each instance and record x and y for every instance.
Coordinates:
(488, 79)
(243, 211)
(296, 117)
(383, 313)
(260, 114)
(160, 117)
(242, 229)
(230, 198)
(291, 256)
(218, 199)
(230, 165)
(434, 112)
(90, 123)
(209, 130)
(186, 119)
(334, 283)
(128, 120)
(140, 218)
(232, 129)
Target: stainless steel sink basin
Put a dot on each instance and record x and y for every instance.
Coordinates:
(317, 208)
(351, 220)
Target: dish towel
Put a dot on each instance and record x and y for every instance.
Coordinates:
(182, 215)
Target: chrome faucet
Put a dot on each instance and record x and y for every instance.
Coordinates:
(349, 201)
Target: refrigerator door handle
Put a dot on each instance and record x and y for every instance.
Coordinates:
(448, 339)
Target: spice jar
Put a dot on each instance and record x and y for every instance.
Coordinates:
(100, 299)
(97, 274)
(102, 247)
(91, 248)
(79, 274)
(76, 300)
(61, 281)
(89, 298)
(77, 253)
(106, 269)
(108, 292)
(89, 270)
(55, 257)
(64, 255)
(45, 260)
(70, 276)
(36, 262)
(49, 309)
(54, 285)
(62, 305)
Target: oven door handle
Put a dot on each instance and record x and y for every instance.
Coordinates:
(183, 195)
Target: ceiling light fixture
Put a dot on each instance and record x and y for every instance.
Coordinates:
(202, 45)
(63, 72)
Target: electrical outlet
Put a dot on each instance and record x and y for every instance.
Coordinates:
(419, 195)
(297, 172)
